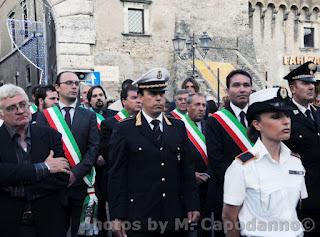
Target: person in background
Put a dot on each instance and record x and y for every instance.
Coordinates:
(264, 184)
(191, 85)
(84, 88)
(46, 97)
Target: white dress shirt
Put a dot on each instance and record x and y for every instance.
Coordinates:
(71, 111)
(237, 111)
(149, 119)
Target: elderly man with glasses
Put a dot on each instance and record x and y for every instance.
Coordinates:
(33, 171)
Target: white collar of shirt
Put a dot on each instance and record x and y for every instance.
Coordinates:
(301, 107)
(62, 105)
(199, 125)
(237, 110)
(149, 119)
(261, 151)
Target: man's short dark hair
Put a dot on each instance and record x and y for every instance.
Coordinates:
(42, 93)
(235, 72)
(34, 90)
(193, 81)
(60, 74)
(126, 83)
(125, 91)
(89, 95)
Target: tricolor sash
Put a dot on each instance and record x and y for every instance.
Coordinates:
(194, 134)
(88, 221)
(33, 108)
(122, 114)
(234, 128)
(100, 118)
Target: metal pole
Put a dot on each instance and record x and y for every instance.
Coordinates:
(218, 77)
(266, 80)
(193, 57)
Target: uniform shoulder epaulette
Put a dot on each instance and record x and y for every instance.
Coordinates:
(245, 157)
(296, 155)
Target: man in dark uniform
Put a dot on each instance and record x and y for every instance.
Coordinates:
(305, 138)
(152, 183)
(221, 146)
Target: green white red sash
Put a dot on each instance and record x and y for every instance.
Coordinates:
(88, 221)
(122, 114)
(234, 128)
(100, 118)
(194, 134)
(33, 108)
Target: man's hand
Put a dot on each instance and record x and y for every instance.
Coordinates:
(101, 161)
(193, 216)
(118, 228)
(201, 178)
(72, 179)
(57, 164)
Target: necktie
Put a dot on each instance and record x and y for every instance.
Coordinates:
(309, 118)
(156, 129)
(67, 116)
(243, 118)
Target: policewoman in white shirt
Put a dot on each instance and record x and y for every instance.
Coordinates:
(263, 186)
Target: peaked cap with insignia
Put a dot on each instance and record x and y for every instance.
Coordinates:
(305, 72)
(268, 100)
(153, 80)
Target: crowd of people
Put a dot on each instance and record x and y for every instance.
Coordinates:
(72, 164)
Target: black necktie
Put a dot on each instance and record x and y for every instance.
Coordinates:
(309, 117)
(156, 129)
(67, 116)
(243, 118)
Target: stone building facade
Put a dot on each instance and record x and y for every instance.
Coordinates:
(124, 38)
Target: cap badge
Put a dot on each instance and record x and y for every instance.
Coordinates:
(283, 93)
(159, 76)
(312, 67)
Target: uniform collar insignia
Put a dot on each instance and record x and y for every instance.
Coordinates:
(167, 120)
(296, 112)
(138, 119)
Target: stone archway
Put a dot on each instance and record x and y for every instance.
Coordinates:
(75, 33)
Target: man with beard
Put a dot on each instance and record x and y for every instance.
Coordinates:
(305, 138)
(45, 97)
(97, 99)
(151, 178)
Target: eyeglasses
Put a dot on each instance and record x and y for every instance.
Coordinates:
(14, 108)
(70, 83)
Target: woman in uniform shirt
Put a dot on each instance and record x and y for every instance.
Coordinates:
(264, 185)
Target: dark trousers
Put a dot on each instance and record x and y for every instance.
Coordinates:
(48, 217)
(73, 201)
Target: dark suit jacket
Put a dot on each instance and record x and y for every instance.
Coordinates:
(305, 140)
(85, 131)
(106, 128)
(222, 150)
(151, 180)
(43, 140)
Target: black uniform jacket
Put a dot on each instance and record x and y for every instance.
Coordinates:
(305, 140)
(221, 152)
(150, 180)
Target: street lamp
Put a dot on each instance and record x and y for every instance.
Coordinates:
(179, 43)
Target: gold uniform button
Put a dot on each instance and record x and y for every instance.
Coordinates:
(131, 200)
(161, 148)
(318, 134)
(163, 195)
(300, 136)
(163, 179)
(140, 148)
(162, 164)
